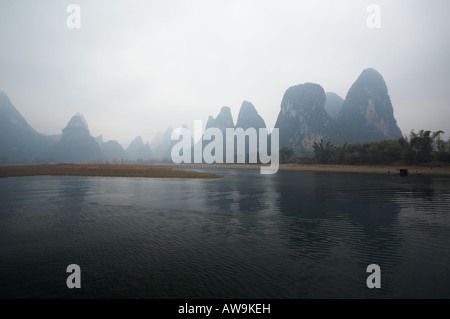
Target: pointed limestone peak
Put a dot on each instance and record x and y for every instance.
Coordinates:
(9, 115)
(367, 114)
(138, 150)
(249, 117)
(369, 85)
(76, 124)
(247, 107)
(370, 74)
(76, 143)
(81, 116)
(211, 122)
(225, 111)
(18, 140)
(302, 119)
(224, 120)
(137, 141)
(303, 97)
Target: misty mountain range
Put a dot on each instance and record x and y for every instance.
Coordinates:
(308, 114)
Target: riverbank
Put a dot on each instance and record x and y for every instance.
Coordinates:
(107, 170)
(443, 171)
(368, 169)
(176, 170)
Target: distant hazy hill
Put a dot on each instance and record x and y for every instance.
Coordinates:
(367, 114)
(162, 145)
(138, 151)
(112, 150)
(303, 119)
(333, 104)
(223, 120)
(18, 140)
(76, 144)
(249, 117)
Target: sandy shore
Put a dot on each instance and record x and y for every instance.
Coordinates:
(382, 169)
(110, 170)
(366, 169)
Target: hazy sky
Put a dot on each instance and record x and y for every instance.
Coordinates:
(138, 67)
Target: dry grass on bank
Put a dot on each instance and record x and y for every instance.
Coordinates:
(110, 170)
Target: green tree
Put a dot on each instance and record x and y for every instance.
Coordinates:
(437, 142)
(286, 154)
(421, 145)
(323, 153)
